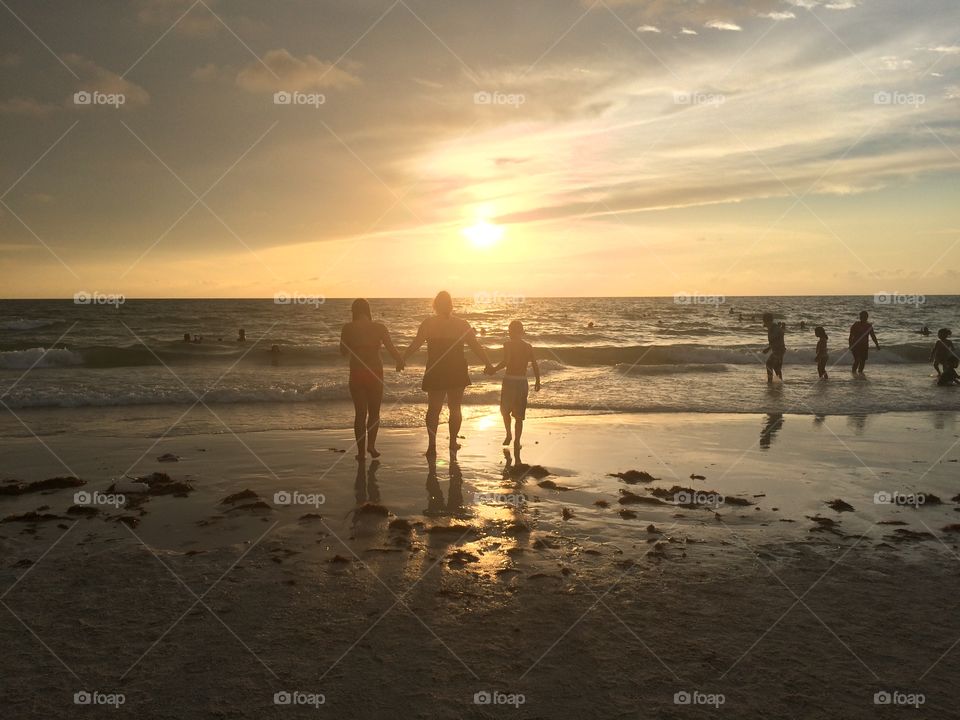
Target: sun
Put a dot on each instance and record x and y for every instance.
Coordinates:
(483, 234)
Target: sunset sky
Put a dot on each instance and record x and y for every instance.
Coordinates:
(542, 147)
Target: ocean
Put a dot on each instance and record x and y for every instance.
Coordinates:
(96, 366)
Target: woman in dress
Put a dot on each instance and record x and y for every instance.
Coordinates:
(362, 339)
(446, 376)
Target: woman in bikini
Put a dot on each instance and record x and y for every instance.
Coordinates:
(446, 376)
(362, 339)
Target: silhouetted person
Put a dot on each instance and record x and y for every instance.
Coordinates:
(924, 331)
(943, 351)
(242, 336)
(822, 355)
(517, 354)
(861, 332)
(803, 325)
(275, 355)
(186, 337)
(361, 339)
(775, 346)
(446, 376)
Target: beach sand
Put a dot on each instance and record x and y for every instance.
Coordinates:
(406, 590)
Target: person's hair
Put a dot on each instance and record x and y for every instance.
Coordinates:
(864, 315)
(360, 308)
(516, 327)
(768, 318)
(944, 333)
(819, 331)
(443, 303)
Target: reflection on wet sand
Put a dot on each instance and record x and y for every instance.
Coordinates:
(365, 486)
(436, 505)
(771, 426)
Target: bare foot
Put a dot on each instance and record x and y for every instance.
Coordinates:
(374, 452)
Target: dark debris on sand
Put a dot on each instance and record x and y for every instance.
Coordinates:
(254, 506)
(522, 470)
(839, 505)
(16, 487)
(236, 497)
(906, 535)
(632, 477)
(32, 517)
(630, 498)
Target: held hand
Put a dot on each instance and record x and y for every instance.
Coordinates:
(400, 365)
(536, 387)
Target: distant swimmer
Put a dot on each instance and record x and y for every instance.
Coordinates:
(861, 332)
(275, 354)
(943, 352)
(590, 324)
(186, 337)
(822, 355)
(740, 317)
(924, 331)
(775, 346)
(198, 339)
(242, 336)
(803, 325)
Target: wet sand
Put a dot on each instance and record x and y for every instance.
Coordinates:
(478, 576)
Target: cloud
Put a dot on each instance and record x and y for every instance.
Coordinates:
(843, 5)
(206, 73)
(946, 49)
(722, 25)
(27, 107)
(778, 15)
(282, 71)
(648, 29)
(687, 31)
(95, 78)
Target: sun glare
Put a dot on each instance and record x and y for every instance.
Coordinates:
(483, 234)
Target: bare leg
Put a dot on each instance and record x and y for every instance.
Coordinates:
(373, 419)
(359, 419)
(434, 406)
(454, 400)
(506, 424)
(516, 440)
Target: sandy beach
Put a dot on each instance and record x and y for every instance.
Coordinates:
(400, 589)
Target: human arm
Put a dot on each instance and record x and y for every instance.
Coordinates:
(536, 370)
(417, 342)
(873, 336)
(471, 339)
(503, 363)
(391, 348)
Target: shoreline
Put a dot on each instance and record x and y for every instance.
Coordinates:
(472, 578)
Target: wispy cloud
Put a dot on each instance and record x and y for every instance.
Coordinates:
(722, 25)
(280, 70)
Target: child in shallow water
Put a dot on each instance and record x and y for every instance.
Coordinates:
(517, 354)
(822, 355)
